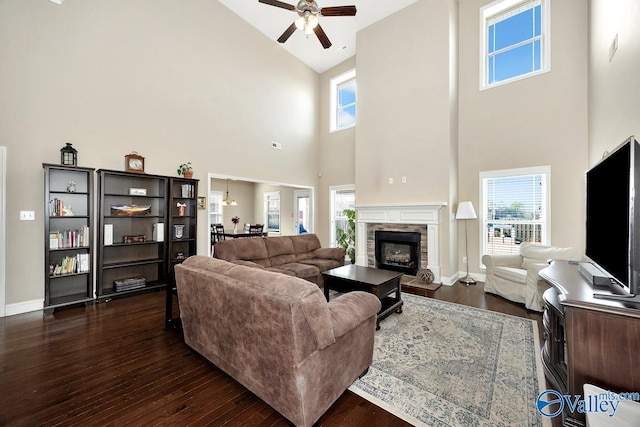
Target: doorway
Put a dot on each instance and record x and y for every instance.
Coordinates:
(304, 211)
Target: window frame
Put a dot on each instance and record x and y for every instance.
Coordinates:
(545, 171)
(272, 197)
(332, 218)
(500, 7)
(334, 85)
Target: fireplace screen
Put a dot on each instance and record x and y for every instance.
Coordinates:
(397, 250)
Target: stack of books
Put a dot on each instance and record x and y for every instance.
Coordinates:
(69, 238)
(129, 284)
(72, 265)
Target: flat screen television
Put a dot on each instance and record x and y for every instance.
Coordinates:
(613, 219)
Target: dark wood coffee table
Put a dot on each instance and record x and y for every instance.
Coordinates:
(381, 283)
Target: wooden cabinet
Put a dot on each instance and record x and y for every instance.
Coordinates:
(132, 230)
(587, 340)
(68, 219)
(182, 230)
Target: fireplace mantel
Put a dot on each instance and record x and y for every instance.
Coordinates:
(416, 213)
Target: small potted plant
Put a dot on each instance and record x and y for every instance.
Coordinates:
(186, 170)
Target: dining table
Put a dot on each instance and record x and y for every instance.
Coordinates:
(235, 234)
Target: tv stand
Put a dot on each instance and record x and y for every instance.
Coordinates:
(630, 298)
(587, 339)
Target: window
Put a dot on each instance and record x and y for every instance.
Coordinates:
(514, 209)
(215, 207)
(343, 101)
(272, 211)
(341, 198)
(515, 40)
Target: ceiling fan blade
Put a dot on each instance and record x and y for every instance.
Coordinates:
(277, 3)
(322, 36)
(287, 33)
(338, 11)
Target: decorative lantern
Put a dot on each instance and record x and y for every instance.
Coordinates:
(68, 155)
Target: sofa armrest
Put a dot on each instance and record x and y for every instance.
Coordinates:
(337, 254)
(503, 260)
(349, 310)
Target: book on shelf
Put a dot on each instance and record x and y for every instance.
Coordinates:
(67, 239)
(79, 263)
(188, 191)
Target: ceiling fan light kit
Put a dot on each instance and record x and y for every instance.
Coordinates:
(308, 21)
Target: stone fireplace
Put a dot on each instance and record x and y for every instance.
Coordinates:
(415, 219)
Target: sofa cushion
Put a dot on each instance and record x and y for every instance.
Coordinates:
(304, 271)
(280, 250)
(281, 271)
(323, 264)
(517, 275)
(305, 243)
(253, 249)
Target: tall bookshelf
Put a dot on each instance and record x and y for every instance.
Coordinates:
(68, 221)
(132, 244)
(182, 230)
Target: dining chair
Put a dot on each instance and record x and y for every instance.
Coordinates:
(246, 227)
(256, 229)
(217, 234)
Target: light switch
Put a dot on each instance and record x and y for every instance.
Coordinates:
(27, 215)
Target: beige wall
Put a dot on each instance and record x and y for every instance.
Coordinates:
(614, 100)
(174, 81)
(406, 111)
(336, 152)
(532, 122)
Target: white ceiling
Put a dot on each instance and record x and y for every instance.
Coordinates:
(272, 21)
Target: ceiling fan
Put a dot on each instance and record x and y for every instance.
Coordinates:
(308, 11)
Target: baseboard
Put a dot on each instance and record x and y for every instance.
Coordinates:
(24, 307)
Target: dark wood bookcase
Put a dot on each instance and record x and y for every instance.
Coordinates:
(182, 231)
(132, 243)
(68, 231)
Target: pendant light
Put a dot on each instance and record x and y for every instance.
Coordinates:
(228, 201)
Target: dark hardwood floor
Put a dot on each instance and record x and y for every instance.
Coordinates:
(115, 364)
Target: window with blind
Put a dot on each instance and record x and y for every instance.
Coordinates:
(514, 209)
(342, 197)
(515, 40)
(272, 211)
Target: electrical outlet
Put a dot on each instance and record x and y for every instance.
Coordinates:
(404, 179)
(276, 145)
(390, 180)
(464, 259)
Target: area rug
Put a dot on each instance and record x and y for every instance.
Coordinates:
(444, 364)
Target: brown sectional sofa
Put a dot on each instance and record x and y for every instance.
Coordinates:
(300, 256)
(276, 334)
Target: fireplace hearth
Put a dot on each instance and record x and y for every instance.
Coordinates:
(398, 251)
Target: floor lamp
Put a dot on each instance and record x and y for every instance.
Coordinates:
(466, 211)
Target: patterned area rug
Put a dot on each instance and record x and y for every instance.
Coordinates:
(444, 364)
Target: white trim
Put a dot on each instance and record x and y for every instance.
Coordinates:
(3, 228)
(25, 307)
(418, 213)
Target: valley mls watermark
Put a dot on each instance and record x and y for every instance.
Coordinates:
(551, 403)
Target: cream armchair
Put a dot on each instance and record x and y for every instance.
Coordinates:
(515, 276)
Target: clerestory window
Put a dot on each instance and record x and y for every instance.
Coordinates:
(515, 41)
(343, 101)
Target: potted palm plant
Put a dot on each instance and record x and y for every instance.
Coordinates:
(186, 170)
(347, 236)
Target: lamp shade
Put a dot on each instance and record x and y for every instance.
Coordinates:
(466, 211)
